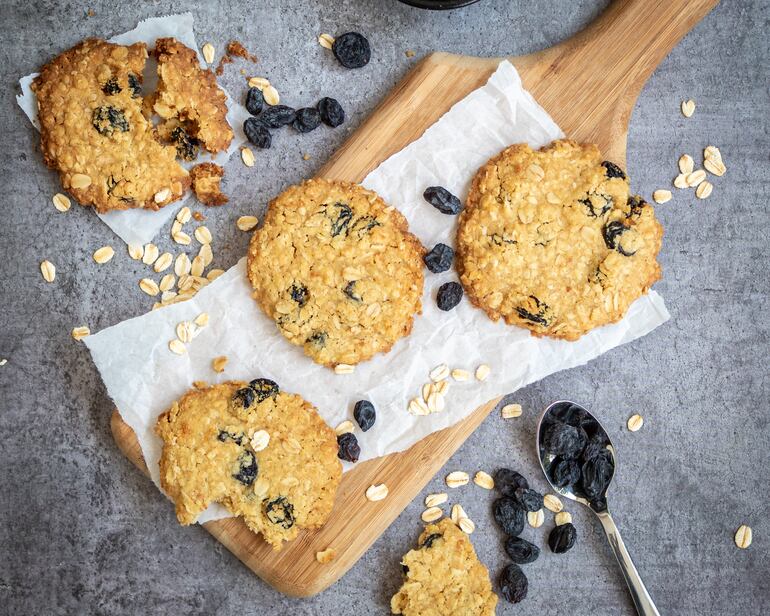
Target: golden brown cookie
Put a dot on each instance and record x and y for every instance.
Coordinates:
(264, 454)
(443, 576)
(206, 179)
(190, 95)
(551, 240)
(93, 132)
(338, 271)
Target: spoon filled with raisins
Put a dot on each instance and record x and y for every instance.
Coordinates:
(578, 460)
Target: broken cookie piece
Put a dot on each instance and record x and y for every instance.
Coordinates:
(206, 179)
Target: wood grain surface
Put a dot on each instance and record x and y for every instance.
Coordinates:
(589, 85)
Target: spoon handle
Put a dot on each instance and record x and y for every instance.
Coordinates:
(639, 595)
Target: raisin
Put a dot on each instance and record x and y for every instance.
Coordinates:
(364, 414)
(186, 147)
(352, 50)
(106, 120)
(277, 116)
(306, 119)
(561, 439)
(449, 295)
(596, 444)
(529, 499)
(564, 473)
(428, 543)
(521, 551)
(613, 171)
(404, 568)
(236, 438)
(264, 389)
(439, 259)
(599, 504)
(363, 225)
(255, 101)
(538, 317)
(513, 584)
(628, 239)
(567, 413)
(135, 85)
(591, 208)
(596, 475)
(562, 538)
(280, 511)
(111, 86)
(508, 481)
(247, 468)
(257, 133)
(509, 515)
(332, 113)
(350, 291)
(348, 447)
(612, 232)
(342, 220)
(636, 204)
(317, 339)
(443, 200)
(244, 397)
(299, 294)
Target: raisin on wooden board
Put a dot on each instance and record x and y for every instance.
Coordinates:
(352, 50)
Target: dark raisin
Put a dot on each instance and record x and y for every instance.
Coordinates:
(244, 397)
(521, 551)
(236, 438)
(257, 133)
(111, 86)
(247, 468)
(443, 200)
(449, 295)
(364, 224)
(350, 291)
(562, 538)
(264, 389)
(365, 414)
(513, 584)
(280, 511)
(564, 440)
(404, 568)
(306, 119)
(317, 339)
(348, 447)
(332, 113)
(613, 171)
(299, 294)
(509, 515)
(596, 444)
(636, 204)
(508, 481)
(439, 259)
(106, 120)
(255, 101)
(342, 218)
(539, 317)
(590, 203)
(564, 473)
(591, 427)
(186, 147)
(626, 244)
(277, 116)
(135, 85)
(529, 499)
(568, 413)
(352, 50)
(596, 475)
(428, 543)
(612, 232)
(599, 504)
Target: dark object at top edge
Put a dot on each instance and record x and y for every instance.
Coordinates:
(438, 5)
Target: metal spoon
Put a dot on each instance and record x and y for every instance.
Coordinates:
(565, 408)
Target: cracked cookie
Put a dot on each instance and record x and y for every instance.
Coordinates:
(552, 241)
(337, 270)
(206, 179)
(443, 576)
(93, 132)
(189, 98)
(266, 455)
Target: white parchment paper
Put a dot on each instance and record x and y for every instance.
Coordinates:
(143, 377)
(141, 226)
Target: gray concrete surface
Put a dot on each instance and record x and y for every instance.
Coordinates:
(82, 532)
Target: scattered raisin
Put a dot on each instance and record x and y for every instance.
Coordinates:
(135, 85)
(449, 295)
(348, 447)
(508, 481)
(106, 120)
(342, 220)
(332, 113)
(299, 294)
(306, 119)
(257, 133)
(564, 473)
(364, 414)
(509, 515)
(264, 389)
(247, 468)
(513, 584)
(244, 397)
(350, 291)
(255, 101)
(111, 86)
(352, 50)
(613, 171)
(529, 499)
(186, 147)
(596, 444)
(277, 116)
(568, 413)
(439, 259)
(444, 201)
(562, 538)
(280, 511)
(612, 232)
(561, 439)
(521, 551)
(428, 543)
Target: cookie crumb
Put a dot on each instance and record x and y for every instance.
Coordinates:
(326, 556)
(78, 333)
(206, 179)
(218, 363)
(409, 53)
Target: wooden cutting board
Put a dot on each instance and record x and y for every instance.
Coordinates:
(589, 85)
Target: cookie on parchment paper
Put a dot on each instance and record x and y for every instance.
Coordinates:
(551, 240)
